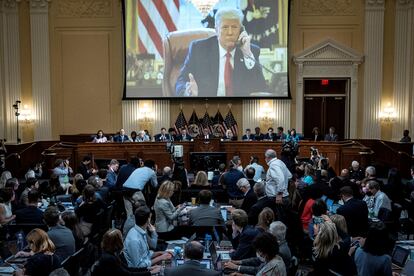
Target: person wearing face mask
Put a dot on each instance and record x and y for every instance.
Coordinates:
(267, 261)
(376, 200)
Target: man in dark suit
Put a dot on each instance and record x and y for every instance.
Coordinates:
(258, 136)
(121, 137)
(331, 136)
(163, 136)
(355, 212)
(243, 236)
(229, 183)
(262, 202)
(206, 134)
(184, 136)
(250, 197)
(269, 136)
(248, 136)
(217, 66)
(30, 214)
(205, 215)
(193, 254)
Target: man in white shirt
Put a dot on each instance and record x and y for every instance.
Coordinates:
(381, 200)
(277, 178)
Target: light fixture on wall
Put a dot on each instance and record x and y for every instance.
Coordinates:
(388, 114)
(146, 116)
(26, 115)
(266, 115)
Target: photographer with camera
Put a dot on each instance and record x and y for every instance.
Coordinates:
(315, 157)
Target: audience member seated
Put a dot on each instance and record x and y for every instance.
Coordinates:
(371, 256)
(258, 136)
(215, 182)
(193, 254)
(331, 136)
(111, 176)
(228, 136)
(180, 173)
(280, 136)
(88, 209)
(30, 214)
(258, 169)
(266, 217)
(406, 138)
(249, 173)
(184, 136)
(316, 135)
(60, 235)
(110, 262)
(101, 192)
(250, 197)
(356, 172)
(35, 170)
(269, 136)
(121, 137)
(71, 221)
(166, 175)
(63, 170)
(379, 198)
(342, 230)
(166, 213)
(14, 184)
(140, 239)
(100, 137)
(267, 262)
(340, 181)
(262, 201)
(205, 215)
(163, 136)
(85, 168)
(248, 136)
(201, 180)
(278, 229)
(319, 211)
(229, 183)
(242, 236)
(355, 212)
(42, 260)
(31, 184)
(330, 257)
(6, 197)
(6, 175)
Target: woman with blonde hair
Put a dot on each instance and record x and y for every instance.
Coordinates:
(201, 179)
(330, 254)
(42, 259)
(165, 212)
(266, 217)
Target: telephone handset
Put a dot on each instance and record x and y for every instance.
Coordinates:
(239, 41)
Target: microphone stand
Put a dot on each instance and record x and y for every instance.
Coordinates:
(17, 114)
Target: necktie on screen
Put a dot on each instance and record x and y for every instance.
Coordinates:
(228, 75)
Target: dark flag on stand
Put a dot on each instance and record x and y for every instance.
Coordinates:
(180, 123)
(231, 123)
(218, 125)
(194, 125)
(207, 123)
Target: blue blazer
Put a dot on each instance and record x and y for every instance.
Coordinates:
(203, 62)
(243, 244)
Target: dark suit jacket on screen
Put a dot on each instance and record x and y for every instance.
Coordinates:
(243, 244)
(205, 215)
(203, 62)
(249, 200)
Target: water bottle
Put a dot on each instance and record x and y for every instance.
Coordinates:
(207, 240)
(20, 241)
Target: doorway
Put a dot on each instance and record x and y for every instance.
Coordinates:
(326, 104)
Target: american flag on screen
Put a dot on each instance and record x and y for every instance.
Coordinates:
(231, 123)
(156, 18)
(180, 123)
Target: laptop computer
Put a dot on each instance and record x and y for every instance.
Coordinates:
(204, 262)
(399, 256)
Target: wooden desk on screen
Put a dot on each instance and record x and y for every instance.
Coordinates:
(340, 154)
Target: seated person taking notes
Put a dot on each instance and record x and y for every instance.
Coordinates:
(238, 67)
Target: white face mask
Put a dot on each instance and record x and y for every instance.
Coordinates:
(260, 257)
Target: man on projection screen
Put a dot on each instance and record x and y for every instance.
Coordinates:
(226, 65)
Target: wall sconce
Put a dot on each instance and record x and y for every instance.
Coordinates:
(388, 114)
(266, 115)
(146, 116)
(26, 115)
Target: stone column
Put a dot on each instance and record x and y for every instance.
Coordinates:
(373, 50)
(403, 59)
(39, 27)
(10, 82)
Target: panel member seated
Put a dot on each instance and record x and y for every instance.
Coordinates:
(269, 136)
(163, 136)
(121, 137)
(331, 136)
(229, 136)
(184, 136)
(248, 136)
(238, 68)
(206, 134)
(205, 215)
(258, 136)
